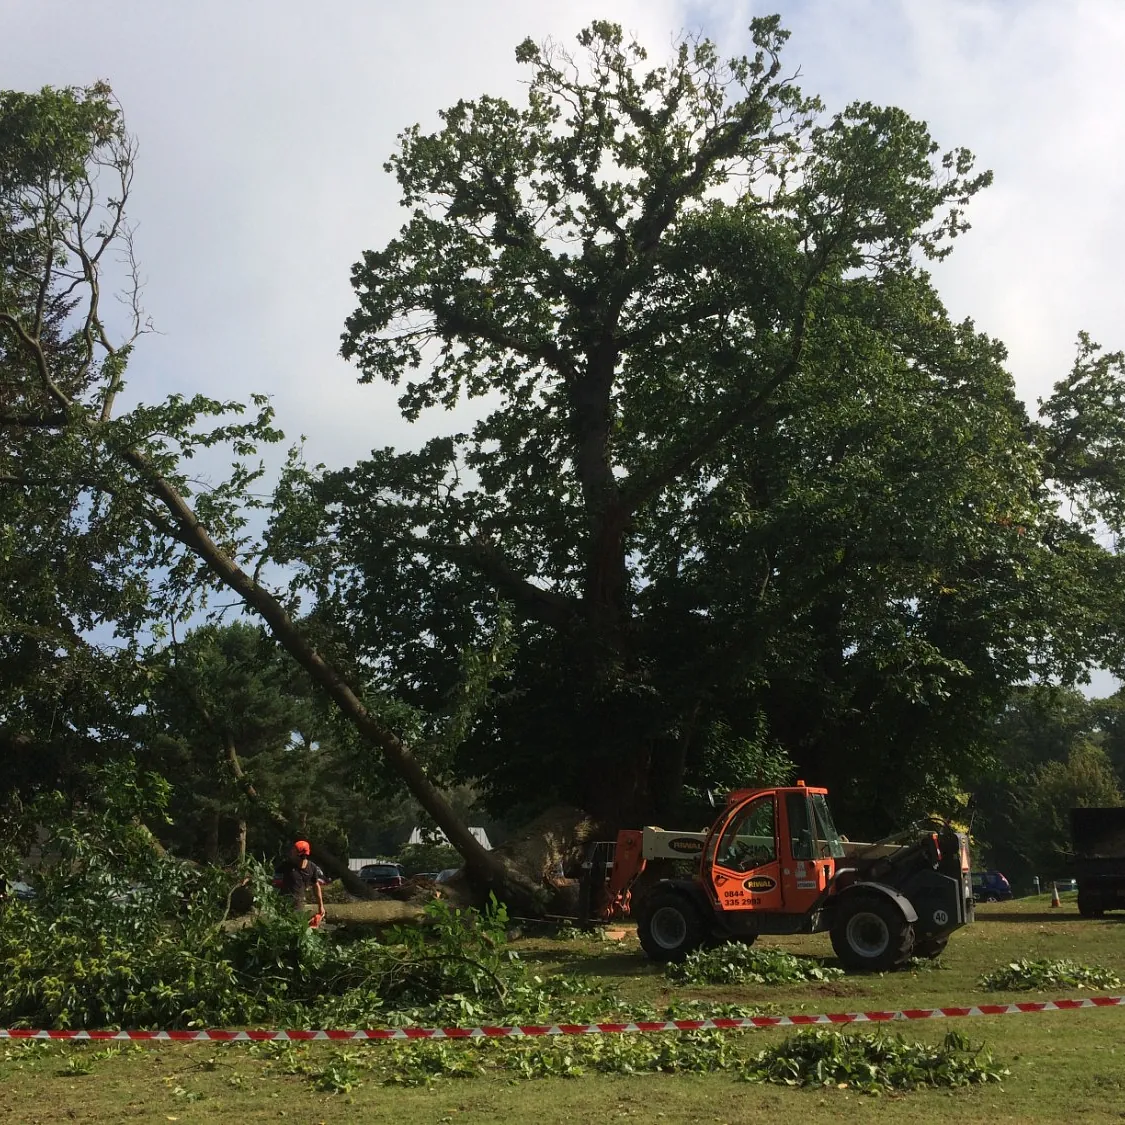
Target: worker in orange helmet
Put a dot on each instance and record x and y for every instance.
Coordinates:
(298, 874)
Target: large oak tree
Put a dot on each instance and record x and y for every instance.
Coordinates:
(743, 483)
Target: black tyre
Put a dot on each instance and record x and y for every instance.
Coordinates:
(670, 926)
(870, 934)
(930, 947)
(1089, 906)
(991, 898)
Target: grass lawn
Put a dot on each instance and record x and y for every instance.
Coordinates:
(1065, 1066)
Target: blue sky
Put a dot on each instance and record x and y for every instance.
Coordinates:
(264, 124)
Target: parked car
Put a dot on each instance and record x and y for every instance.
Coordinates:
(446, 875)
(991, 886)
(383, 876)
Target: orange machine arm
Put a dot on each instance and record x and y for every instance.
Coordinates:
(628, 863)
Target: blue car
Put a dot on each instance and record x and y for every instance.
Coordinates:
(991, 886)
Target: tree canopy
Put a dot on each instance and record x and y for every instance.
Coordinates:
(746, 487)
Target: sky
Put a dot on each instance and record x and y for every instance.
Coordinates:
(264, 125)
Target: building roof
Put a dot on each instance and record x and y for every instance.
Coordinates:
(437, 836)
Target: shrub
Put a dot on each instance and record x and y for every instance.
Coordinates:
(122, 934)
(736, 963)
(872, 1063)
(428, 857)
(1034, 976)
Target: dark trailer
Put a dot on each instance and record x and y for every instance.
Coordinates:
(1099, 859)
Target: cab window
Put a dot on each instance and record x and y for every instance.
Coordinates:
(830, 842)
(749, 840)
(800, 826)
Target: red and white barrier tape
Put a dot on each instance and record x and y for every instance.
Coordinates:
(537, 1030)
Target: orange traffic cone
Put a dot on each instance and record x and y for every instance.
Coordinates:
(1055, 895)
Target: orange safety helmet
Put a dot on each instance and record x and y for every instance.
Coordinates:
(301, 847)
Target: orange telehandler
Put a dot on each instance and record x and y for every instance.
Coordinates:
(773, 863)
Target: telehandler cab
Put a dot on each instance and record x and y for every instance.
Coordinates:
(773, 863)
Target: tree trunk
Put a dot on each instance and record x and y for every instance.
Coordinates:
(484, 869)
(186, 528)
(619, 752)
(618, 796)
(670, 768)
(241, 839)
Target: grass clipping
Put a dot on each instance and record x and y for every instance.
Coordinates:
(873, 1063)
(1034, 976)
(737, 963)
(861, 1062)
